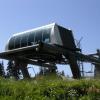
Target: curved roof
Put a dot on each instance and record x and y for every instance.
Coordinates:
(30, 37)
(35, 29)
(51, 33)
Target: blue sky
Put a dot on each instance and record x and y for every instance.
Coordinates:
(81, 16)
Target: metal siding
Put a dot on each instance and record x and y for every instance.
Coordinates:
(30, 38)
(52, 35)
(67, 38)
(57, 36)
(11, 43)
(24, 40)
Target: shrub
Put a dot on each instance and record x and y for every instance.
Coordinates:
(49, 89)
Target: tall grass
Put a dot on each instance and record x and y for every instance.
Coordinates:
(49, 88)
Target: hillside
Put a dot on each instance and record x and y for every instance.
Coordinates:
(49, 88)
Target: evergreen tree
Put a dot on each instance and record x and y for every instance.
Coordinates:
(10, 68)
(2, 72)
(12, 71)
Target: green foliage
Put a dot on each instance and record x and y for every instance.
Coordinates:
(49, 88)
(2, 72)
(12, 71)
(10, 68)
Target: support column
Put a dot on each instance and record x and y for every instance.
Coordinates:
(97, 67)
(23, 67)
(16, 70)
(74, 66)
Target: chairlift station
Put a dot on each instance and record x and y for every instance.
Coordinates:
(46, 46)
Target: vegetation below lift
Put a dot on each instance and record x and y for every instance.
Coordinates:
(49, 87)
